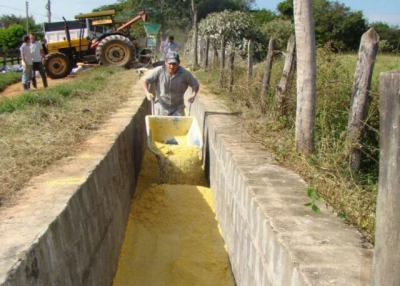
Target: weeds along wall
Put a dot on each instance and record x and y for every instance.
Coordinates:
(353, 194)
(271, 237)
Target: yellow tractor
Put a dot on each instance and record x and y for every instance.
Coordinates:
(90, 42)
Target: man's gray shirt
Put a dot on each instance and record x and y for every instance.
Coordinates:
(170, 89)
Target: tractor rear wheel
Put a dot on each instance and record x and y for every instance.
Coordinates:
(57, 65)
(115, 50)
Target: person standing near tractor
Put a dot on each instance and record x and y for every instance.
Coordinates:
(38, 59)
(44, 43)
(171, 81)
(26, 58)
(169, 46)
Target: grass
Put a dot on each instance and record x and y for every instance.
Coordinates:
(327, 170)
(38, 128)
(9, 78)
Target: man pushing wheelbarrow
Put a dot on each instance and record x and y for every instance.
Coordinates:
(171, 82)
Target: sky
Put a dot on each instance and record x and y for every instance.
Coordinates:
(374, 10)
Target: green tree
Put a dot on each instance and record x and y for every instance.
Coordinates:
(205, 7)
(13, 36)
(389, 35)
(263, 16)
(118, 7)
(3, 39)
(8, 20)
(235, 26)
(285, 8)
(174, 14)
(281, 30)
(334, 22)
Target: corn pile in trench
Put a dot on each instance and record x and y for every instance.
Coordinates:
(173, 237)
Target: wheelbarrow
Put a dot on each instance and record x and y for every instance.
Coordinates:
(174, 130)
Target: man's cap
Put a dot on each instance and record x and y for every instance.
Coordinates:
(172, 57)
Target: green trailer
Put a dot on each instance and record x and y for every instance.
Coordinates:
(148, 54)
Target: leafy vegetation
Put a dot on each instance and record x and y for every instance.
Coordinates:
(338, 24)
(281, 30)
(234, 26)
(13, 28)
(389, 37)
(174, 15)
(11, 38)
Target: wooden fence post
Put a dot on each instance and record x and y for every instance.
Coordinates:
(306, 75)
(206, 52)
(195, 38)
(386, 265)
(250, 52)
(231, 67)
(281, 89)
(222, 64)
(201, 50)
(359, 96)
(215, 53)
(268, 68)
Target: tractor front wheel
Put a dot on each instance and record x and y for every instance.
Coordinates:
(115, 50)
(57, 65)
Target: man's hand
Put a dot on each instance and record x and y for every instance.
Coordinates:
(150, 96)
(191, 98)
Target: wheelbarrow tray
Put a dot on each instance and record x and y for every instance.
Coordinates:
(177, 130)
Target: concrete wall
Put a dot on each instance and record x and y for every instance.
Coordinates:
(70, 223)
(271, 237)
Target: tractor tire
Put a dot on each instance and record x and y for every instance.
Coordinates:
(115, 50)
(57, 65)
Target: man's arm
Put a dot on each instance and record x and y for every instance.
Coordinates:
(192, 97)
(194, 84)
(149, 95)
(42, 51)
(23, 57)
(150, 78)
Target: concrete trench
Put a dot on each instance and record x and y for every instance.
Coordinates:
(69, 227)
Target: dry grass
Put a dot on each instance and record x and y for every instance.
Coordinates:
(41, 127)
(353, 195)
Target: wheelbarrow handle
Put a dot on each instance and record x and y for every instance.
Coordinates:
(190, 107)
(152, 107)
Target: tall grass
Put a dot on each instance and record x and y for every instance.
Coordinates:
(8, 78)
(352, 194)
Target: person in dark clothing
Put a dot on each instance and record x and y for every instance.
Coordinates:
(38, 60)
(44, 43)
